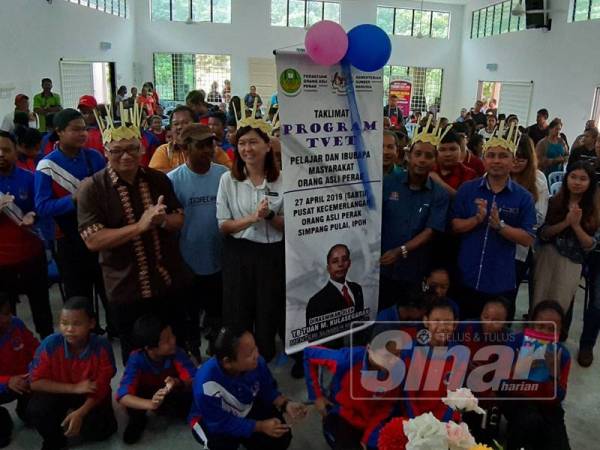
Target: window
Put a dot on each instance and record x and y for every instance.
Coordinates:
(496, 19)
(215, 11)
(414, 22)
(303, 13)
(596, 106)
(176, 74)
(585, 10)
(426, 89)
(114, 7)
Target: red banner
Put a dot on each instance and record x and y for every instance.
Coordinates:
(403, 90)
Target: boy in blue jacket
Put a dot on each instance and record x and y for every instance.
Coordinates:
(158, 376)
(236, 400)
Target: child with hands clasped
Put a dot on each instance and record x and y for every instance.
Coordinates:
(70, 380)
(158, 377)
(236, 400)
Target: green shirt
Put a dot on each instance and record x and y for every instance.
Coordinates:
(40, 101)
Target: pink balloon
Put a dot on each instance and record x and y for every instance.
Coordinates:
(326, 43)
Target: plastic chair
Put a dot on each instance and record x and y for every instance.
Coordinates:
(555, 177)
(555, 187)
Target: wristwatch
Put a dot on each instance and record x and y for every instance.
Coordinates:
(404, 251)
(501, 225)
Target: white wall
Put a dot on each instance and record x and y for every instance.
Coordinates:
(563, 63)
(35, 35)
(251, 35)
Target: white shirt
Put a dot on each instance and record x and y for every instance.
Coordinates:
(541, 207)
(237, 199)
(340, 286)
(9, 125)
(486, 134)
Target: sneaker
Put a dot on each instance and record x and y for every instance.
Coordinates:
(135, 428)
(585, 357)
(6, 427)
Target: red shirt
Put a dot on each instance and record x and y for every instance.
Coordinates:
(17, 347)
(148, 103)
(427, 397)
(94, 140)
(55, 361)
(457, 176)
(18, 244)
(474, 162)
(162, 136)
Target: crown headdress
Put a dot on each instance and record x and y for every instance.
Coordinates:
(111, 132)
(508, 139)
(433, 137)
(252, 122)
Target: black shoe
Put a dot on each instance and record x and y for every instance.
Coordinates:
(135, 428)
(585, 357)
(6, 427)
(298, 369)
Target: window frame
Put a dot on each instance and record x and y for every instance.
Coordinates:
(493, 9)
(178, 58)
(190, 13)
(97, 6)
(591, 5)
(389, 68)
(413, 32)
(287, 12)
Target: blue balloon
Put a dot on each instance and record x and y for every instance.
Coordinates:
(369, 47)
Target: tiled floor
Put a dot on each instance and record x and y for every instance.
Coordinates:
(582, 405)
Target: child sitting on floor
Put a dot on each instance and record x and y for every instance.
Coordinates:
(353, 408)
(17, 347)
(70, 380)
(539, 424)
(158, 376)
(236, 400)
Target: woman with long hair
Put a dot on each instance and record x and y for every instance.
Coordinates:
(526, 173)
(250, 215)
(552, 151)
(568, 234)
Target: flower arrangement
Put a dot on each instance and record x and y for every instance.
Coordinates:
(426, 432)
(459, 436)
(463, 400)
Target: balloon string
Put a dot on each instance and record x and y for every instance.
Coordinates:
(359, 142)
(299, 49)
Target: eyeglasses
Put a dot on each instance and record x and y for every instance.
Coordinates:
(132, 151)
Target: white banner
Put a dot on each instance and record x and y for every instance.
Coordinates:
(331, 134)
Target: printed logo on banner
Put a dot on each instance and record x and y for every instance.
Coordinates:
(290, 81)
(410, 362)
(338, 83)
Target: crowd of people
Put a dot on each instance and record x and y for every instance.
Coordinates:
(180, 229)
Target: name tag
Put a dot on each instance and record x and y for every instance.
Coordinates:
(272, 194)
